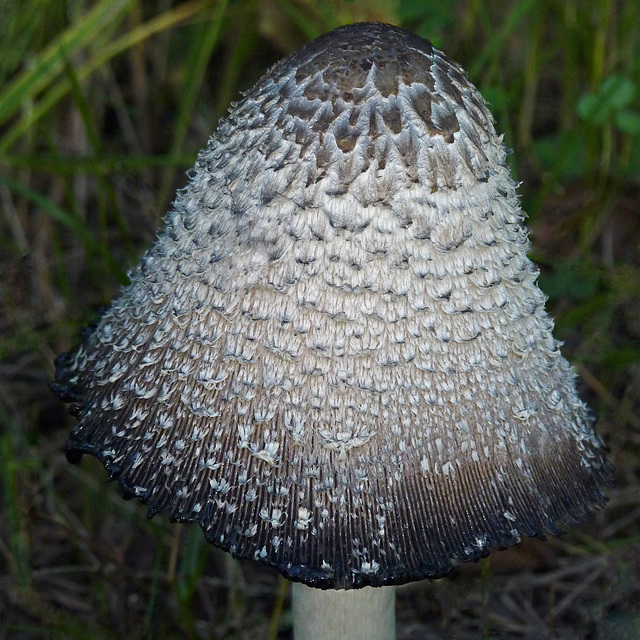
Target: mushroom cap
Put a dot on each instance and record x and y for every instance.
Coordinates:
(335, 358)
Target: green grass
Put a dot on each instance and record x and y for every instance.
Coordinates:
(103, 108)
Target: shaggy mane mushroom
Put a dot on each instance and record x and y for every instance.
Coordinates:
(335, 358)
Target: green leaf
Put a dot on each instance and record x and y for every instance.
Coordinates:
(589, 109)
(618, 92)
(628, 122)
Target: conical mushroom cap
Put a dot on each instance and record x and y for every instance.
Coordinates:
(335, 358)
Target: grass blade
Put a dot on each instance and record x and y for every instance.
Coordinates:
(51, 62)
(166, 21)
(9, 467)
(201, 55)
(67, 219)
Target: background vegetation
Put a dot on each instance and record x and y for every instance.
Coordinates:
(103, 106)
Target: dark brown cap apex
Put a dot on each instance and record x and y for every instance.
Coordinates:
(349, 58)
(335, 358)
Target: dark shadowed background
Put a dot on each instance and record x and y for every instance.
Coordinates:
(103, 107)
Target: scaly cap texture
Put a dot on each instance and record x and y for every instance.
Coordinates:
(335, 358)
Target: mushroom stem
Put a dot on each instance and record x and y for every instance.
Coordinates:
(358, 614)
